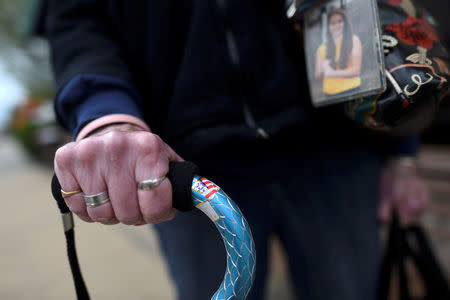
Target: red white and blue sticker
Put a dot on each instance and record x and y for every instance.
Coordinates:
(205, 187)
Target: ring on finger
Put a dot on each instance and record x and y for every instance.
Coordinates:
(96, 199)
(65, 194)
(150, 183)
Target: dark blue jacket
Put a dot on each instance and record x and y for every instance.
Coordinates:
(202, 73)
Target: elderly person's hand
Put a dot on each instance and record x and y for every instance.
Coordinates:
(115, 159)
(404, 190)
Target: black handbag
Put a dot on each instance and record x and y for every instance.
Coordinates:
(416, 69)
(410, 246)
(417, 72)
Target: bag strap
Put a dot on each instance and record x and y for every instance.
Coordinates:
(411, 242)
(427, 264)
(394, 257)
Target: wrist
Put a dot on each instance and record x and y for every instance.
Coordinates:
(120, 127)
(403, 165)
(109, 120)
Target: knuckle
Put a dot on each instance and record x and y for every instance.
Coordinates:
(86, 150)
(148, 143)
(115, 145)
(63, 156)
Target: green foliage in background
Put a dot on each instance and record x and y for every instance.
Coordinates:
(24, 56)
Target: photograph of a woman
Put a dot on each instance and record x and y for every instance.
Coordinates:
(338, 60)
(344, 55)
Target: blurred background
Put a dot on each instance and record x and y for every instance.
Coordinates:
(118, 262)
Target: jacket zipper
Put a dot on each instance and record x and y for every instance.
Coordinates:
(233, 52)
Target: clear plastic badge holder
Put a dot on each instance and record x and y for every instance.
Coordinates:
(343, 48)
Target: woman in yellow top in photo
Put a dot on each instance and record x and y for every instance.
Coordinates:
(338, 62)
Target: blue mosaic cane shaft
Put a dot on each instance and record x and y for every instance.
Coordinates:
(236, 234)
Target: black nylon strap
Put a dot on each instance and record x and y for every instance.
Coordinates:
(180, 175)
(56, 192)
(80, 286)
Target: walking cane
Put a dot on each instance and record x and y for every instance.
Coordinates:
(189, 191)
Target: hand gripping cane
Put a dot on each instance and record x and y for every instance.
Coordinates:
(189, 191)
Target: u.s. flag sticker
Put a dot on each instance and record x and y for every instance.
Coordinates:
(211, 188)
(205, 187)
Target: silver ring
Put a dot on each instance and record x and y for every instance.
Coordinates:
(150, 183)
(97, 199)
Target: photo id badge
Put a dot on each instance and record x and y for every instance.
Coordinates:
(343, 49)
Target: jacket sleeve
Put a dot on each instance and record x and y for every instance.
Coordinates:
(92, 78)
(404, 146)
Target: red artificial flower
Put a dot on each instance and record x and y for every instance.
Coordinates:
(395, 2)
(415, 31)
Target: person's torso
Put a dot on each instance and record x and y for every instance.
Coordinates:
(214, 73)
(336, 85)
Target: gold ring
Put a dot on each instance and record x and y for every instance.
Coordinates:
(67, 194)
(150, 183)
